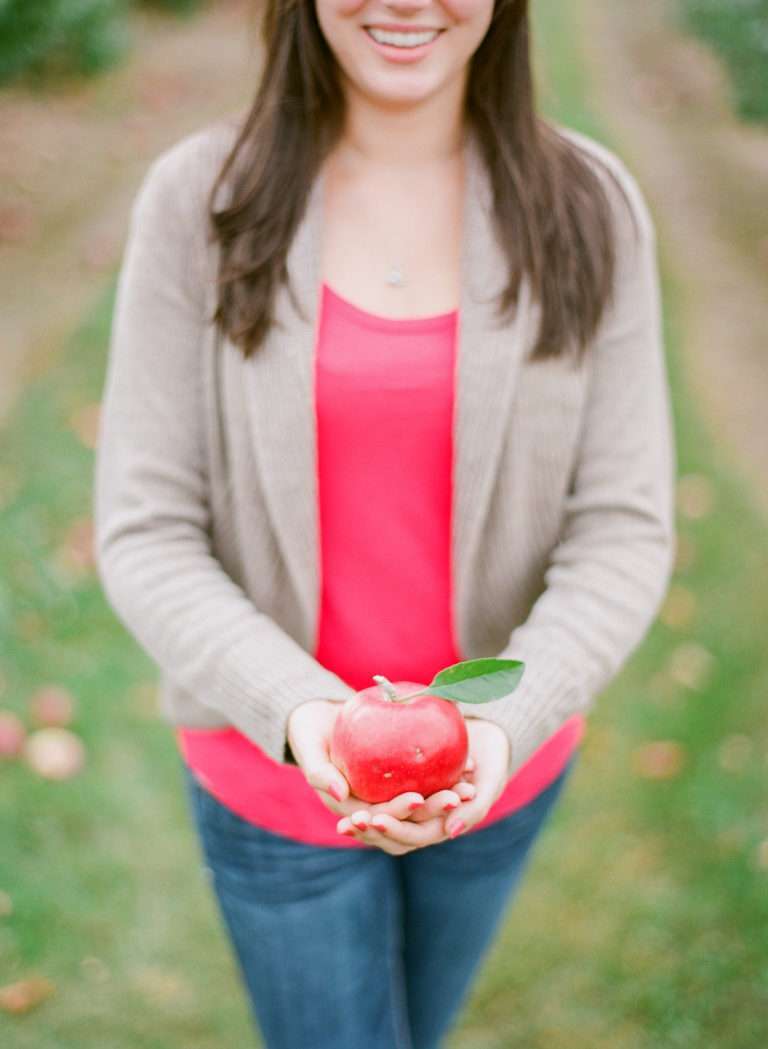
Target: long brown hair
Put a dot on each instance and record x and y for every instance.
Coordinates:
(551, 208)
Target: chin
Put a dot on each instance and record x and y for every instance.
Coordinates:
(384, 91)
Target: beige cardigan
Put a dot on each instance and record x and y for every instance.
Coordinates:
(205, 483)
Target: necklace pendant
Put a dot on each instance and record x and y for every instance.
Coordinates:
(396, 277)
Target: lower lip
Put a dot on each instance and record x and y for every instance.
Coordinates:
(402, 54)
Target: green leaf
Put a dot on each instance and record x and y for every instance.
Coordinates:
(477, 680)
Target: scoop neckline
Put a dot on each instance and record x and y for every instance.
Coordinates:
(382, 323)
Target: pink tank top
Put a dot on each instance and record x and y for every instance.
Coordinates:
(384, 401)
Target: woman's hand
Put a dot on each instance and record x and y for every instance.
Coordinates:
(309, 732)
(489, 749)
(397, 826)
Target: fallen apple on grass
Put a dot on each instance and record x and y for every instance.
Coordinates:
(400, 736)
(54, 753)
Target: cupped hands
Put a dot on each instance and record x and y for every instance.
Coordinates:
(409, 820)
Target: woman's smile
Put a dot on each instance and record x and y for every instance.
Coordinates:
(402, 46)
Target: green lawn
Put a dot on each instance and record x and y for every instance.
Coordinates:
(738, 33)
(643, 922)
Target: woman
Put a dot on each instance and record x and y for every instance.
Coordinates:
(386, 391)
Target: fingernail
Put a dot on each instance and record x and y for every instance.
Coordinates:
(450, 806)
(415, 805)
(360, 824)
(379, 826)
(454, 828)
(349, 832)
(334, 791)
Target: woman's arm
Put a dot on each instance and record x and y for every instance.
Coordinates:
(151, 492)
(609, 572)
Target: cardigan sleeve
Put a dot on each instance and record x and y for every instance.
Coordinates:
(609, 572)
(151, 506)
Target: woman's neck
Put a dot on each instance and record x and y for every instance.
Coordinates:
(398, 138)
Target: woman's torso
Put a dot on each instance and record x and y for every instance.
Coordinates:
(374, 339)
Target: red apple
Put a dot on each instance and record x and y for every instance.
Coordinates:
(385, 746)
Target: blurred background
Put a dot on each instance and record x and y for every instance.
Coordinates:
(643, 922)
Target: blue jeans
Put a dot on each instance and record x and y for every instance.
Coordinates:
(354, 948)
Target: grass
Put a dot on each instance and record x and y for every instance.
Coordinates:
(109, 900)
(643, 921)
(738, 32)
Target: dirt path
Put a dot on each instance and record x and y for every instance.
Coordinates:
(664, 98)
(70, 165)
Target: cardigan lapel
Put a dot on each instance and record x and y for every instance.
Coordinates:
(279, 388)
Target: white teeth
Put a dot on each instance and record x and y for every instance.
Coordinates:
(383, 36)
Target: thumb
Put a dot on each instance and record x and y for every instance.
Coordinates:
(323, 775)
(308, 737)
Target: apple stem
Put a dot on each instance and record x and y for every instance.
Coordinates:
(388, 688)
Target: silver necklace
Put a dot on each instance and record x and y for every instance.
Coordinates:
(396, 277)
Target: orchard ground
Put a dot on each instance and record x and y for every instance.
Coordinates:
(643, 919)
